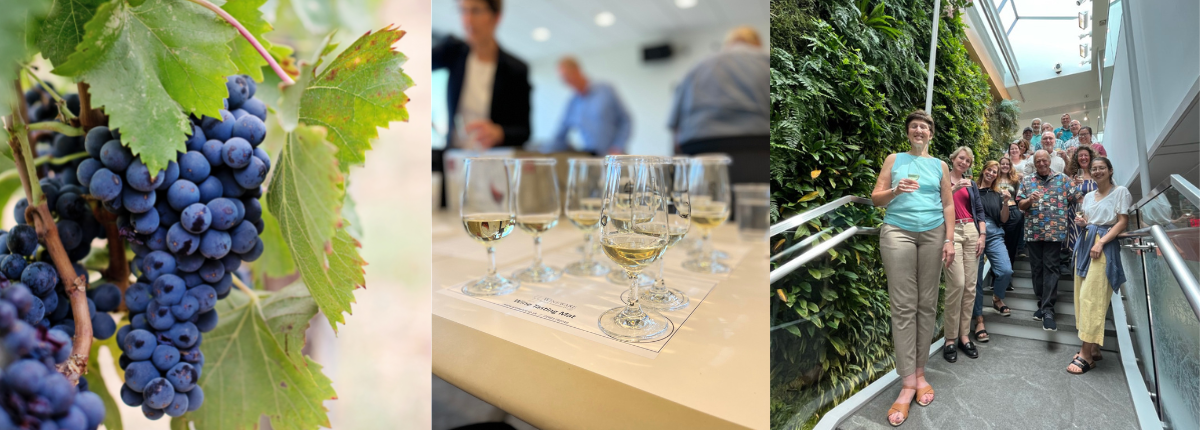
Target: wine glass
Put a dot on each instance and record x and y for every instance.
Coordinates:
(585, 196)
(659, 296)
(708, 185)
(487, 214)
(535, 194)
(634, 233)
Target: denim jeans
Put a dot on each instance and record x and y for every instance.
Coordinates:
(997, 253)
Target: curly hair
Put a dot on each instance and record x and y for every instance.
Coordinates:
(1073, 168)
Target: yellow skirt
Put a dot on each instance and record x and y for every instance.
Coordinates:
(1092, 297)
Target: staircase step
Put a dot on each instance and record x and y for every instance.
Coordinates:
(1024, 318)
(1064, 285)
(1024, 299)
(1025, 273)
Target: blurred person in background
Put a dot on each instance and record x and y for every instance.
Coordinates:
(595, 120)
(488, 90)
(1027, 134)
(1064, 133)
(723, 105)
(1073, 142)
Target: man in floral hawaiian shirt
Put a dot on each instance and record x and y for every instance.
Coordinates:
(1044, 197)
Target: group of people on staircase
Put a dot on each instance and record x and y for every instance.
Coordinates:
(1063, 212)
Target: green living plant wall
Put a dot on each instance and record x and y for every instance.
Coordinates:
(843, 77)
(144, 75)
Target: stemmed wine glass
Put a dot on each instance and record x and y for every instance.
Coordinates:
(535, 194)
(487, 214)
(585, 192)
(659, 296)
(708, 185)
(634, 233)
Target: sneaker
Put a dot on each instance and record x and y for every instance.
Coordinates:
(1010, 288)
(1037, 315)
(1048, 323)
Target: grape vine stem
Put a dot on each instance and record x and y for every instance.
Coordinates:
(57, 127)
(287, 80)
(38, 215)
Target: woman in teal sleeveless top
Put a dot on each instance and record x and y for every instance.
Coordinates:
(914, 244)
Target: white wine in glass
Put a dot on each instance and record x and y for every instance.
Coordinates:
(634, 190)
(535, 195)
(487, 215)
(585, 192)
(679, 219)
(708, 185)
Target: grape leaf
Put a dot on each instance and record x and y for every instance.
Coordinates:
(305, 197)
(149, 66)
(288, 312)
(63, 28)
(15, 16)
(361, 89)
(250, 372)
(248, 61)
(276, 260)
(112, 416)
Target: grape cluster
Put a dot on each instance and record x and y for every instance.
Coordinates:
(50, 305)
(33, 395)
(42, 107)
(191, 226)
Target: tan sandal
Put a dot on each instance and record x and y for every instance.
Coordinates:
(901, 408)
(921, 392)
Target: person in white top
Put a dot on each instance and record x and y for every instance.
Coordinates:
(1097, 271)
(1057, 164)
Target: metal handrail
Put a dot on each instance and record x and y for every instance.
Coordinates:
(801, 244)
(1187, 282)
(812, 214)
(811, 254)
(1187, 189)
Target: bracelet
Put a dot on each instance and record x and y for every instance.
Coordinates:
(947, 241)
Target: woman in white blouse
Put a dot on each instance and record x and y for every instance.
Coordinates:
(1098, 271)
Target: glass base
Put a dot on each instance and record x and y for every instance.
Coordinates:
(618, 277)
(644, 326)
(583, 268)
(494, 285)
(669, 299)
(716, 253)
(539, 273)
(705, 266)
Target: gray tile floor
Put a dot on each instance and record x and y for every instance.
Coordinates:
(1014, 384)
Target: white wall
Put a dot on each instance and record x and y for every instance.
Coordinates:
(647, 89)
(1165, 34)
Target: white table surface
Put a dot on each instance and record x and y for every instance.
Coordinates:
(713, 374)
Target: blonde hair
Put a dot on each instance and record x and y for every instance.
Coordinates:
(960, 149)
(743, 34)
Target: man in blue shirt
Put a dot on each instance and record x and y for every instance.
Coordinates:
(1064, 133)
(595, 115)
(724, 105)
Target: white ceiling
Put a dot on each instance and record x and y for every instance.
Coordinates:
(573, 29)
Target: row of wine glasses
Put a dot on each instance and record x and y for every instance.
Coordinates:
(638, 206)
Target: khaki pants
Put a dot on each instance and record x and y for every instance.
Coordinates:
(912, 262)
(1092, 298)
(960, 282)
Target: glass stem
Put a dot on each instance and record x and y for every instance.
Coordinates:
(706, 247)
(660, 284)
(587, 249)
(537, 250)
(633, 309)
(491, 261)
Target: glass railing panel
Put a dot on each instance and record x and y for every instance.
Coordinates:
(825, 345)
(1171, 210)
(1137, 312)
(1176, 342)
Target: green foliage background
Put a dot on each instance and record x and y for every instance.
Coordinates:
(843, 77)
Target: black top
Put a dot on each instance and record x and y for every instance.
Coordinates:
(510, 89)
(992, 203)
